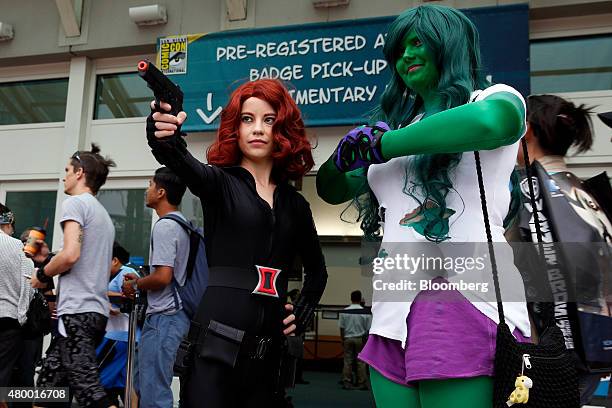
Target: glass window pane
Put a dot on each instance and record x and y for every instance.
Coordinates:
(571, 83)
(192, 209)
(132, 221)
(121, 96)
(33, 208)
(571, 64)
(33, 101)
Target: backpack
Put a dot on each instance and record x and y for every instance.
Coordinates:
(196, 278)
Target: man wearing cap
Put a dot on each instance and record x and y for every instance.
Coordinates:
(15, 294)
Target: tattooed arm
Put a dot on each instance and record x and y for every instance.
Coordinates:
(70, 253)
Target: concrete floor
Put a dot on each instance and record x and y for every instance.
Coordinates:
(324, 391)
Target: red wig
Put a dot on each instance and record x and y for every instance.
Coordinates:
(292, 153)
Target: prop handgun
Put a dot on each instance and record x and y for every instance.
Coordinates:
(163, 88)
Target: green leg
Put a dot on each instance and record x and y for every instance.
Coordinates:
(476, 392)
(392, 395)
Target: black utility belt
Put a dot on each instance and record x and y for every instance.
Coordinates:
(253, 347)
(259, 280)
(221, 343)
(225, 344)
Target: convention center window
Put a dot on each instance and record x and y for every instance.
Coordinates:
(132, 221)
(191, 208)
(121, 96)
(571, 64)
(33, 209)
(33, 101)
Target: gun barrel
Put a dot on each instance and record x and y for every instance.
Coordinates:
(163, 88)
(150, 73)
(143, 65)
(155, 77)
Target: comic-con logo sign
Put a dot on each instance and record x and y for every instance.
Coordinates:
(173, 55)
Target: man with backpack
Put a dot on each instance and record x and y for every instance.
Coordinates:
(166, 320)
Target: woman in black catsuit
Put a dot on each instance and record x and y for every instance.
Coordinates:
(256, 224)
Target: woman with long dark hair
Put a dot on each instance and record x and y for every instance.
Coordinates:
(412, 172)
(554, 125)
(255, 224)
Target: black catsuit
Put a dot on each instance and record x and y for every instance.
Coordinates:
(242, 231)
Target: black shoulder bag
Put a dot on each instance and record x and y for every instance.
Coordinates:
(38, 321)
(528, 375)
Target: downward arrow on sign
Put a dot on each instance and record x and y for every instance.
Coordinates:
(208, 119)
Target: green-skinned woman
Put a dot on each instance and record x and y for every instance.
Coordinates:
(412, 173)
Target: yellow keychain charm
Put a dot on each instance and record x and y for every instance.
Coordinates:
(522, 384)
(521, 393)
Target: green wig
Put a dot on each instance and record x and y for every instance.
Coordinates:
(453, 40)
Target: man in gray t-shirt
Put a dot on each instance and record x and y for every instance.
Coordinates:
(83, 266)
(84, 288)
(170, 248)
(166, 323)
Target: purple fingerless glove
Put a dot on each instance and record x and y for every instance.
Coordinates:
(360, 147)
(346, 156)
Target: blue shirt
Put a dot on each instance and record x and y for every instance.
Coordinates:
(115, 286)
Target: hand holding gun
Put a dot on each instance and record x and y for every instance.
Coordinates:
(163, 88)
(166, 115)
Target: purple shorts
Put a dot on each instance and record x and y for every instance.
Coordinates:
(447, 338)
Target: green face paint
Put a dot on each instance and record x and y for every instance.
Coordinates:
(417, 66)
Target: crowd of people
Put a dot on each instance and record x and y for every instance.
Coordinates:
(410, 174)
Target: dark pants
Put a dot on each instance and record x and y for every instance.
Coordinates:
(251, 383)
(25, 367)
(11, 347)
(71, 361)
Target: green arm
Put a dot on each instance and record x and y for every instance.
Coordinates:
(484, 125)
(335, 187)
(496, 121)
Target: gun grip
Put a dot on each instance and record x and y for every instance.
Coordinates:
(157, 107)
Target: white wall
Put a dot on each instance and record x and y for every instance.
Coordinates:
(31, 151)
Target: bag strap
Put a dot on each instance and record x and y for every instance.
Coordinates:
(194, 245)
(194, 241)
(485, 214)
(532, 199)
(536, 218)
(184, 223)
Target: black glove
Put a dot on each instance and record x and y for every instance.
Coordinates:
(151, 129)
(304, 313)
(161, 147)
